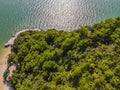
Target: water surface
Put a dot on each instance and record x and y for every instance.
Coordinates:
(59, 14)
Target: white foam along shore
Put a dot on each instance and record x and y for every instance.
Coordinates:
(11, 40)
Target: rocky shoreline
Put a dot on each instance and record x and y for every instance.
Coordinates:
(10, 42)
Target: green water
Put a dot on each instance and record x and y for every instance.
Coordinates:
(16, 15)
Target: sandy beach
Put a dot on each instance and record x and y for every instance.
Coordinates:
(3, 65)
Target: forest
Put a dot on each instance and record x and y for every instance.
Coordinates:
(83, 59)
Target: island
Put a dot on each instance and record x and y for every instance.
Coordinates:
(83, 59)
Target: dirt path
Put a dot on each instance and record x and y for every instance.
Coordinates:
(3, 65)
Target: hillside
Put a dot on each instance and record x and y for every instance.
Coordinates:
(84, 59)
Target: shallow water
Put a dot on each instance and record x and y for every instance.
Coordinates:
(59, 14)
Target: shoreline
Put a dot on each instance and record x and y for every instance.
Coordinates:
(4, 57)
(10, 42)
(3, 66)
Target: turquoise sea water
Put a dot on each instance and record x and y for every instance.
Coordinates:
(16, 15)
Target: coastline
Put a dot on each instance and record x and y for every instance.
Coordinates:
(3, 65)
(4, 57)
(10, 42)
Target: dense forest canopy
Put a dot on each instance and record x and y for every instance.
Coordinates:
(84, 59)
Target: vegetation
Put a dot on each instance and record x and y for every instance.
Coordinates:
(84, 59)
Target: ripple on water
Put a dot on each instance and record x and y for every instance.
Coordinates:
(59, 14)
